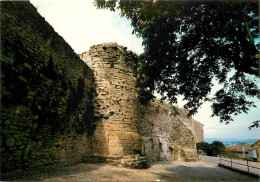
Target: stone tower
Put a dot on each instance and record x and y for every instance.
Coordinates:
(115, 132)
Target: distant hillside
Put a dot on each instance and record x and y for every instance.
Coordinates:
(230, 141)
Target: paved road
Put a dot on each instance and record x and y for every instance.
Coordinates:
(213, 161)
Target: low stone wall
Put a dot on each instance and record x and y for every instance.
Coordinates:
(164, 134)
(46, 101)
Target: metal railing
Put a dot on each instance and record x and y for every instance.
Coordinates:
(221, 158)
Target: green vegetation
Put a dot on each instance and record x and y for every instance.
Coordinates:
(175, 109)
(217, 148)
(142, 80)
(214, 149)
(190, 44)
(254, 124)
(203, 146)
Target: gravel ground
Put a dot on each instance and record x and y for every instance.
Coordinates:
(159, 171)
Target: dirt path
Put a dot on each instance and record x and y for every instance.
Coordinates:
(159, 171)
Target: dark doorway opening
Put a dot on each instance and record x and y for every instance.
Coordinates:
(170, 154)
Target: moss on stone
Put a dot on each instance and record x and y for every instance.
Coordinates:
(175, 110)
(10, 142)
(18, 153)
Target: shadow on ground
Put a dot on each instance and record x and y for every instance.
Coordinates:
(202, 173)
(169, 171)
(48, 172)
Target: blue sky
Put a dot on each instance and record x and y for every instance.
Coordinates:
(82, 26)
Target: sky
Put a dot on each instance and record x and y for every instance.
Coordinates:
(82, 25)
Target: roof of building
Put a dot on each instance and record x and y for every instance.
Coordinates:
(256, 143)
(238, 147)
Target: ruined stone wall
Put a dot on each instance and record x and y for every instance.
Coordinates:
(46, 93)
(116, 131)
(198, 131)
(47, 104)
(121, 119)
(165, 135)
(195, 126)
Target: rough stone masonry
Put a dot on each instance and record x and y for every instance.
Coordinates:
(165, 134)
(122, 129)
(54, 112)
(46, 93)
(116, 132)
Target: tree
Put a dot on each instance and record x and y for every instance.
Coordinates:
(217, 148)
(204, 146)
(255, 124)
(190, 44)
(213, 149)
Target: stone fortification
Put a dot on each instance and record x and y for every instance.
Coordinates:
(198, 131)
(116, 131)
(165, 135)
(195, 126)
(121, 120)
(50, 113)
(46, 98)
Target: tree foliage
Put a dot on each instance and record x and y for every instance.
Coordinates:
(204, 146)
(213, 149)
(255, 124)
(190, 44)
(217, 148)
